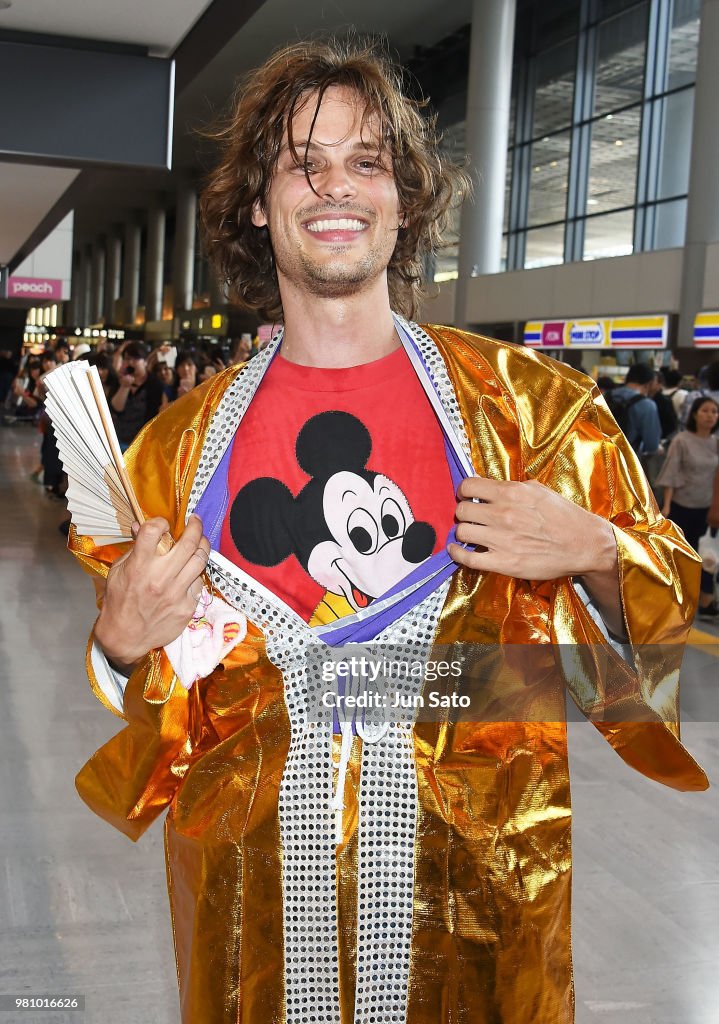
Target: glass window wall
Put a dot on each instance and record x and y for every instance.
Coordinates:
(670, 224)
(600, 142)
(548, 182)
(621, 58)
(613, 161)
(683, 43)
(677, 113)
(555, 74)
(609, 235)
(544, 246)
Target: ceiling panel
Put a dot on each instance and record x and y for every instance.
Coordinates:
(28, 192)
(159, 24)
(278, 22)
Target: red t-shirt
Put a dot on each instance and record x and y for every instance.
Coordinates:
(338, 483)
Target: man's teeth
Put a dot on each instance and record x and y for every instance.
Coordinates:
(341, 224)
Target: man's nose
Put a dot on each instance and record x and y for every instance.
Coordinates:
(337, 184)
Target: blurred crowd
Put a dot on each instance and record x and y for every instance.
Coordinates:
(671, 421)
(138, 382)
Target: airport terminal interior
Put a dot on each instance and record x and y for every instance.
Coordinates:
(592, 238)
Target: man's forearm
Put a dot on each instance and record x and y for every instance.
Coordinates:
(602, 582)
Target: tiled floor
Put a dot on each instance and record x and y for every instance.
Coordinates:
(83, 910)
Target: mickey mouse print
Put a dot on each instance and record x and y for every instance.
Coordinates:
(350, 528)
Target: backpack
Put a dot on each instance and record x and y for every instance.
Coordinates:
(619, 406)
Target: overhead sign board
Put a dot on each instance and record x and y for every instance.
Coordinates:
(83, 105)
(603, 332)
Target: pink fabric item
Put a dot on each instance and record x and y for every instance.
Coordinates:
(213, 631)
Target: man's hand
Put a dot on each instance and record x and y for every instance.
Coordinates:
(149, 596)
(528, 531)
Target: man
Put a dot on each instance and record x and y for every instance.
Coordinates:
(634, 410)
(52, 471)
(138, 397)
(709, 388)
(673, 390)
(401, 874)
(668, 423)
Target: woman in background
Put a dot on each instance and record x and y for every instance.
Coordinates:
(185, 374)
(27, 391)
(103, 362)
(688, 478)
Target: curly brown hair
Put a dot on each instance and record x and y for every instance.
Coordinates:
(428, 186)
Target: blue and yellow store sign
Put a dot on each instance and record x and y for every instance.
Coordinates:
(601, 332)
(706, 330)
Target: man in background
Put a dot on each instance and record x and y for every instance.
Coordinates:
(634, 410)
(138, 396)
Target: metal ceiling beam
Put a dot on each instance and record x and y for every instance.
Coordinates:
(212, 31)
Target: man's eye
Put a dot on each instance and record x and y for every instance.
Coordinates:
(308, 167)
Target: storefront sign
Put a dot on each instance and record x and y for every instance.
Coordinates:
(706, 330)
(616, 332)
(586, 333)
(42, 289)
(640, 332)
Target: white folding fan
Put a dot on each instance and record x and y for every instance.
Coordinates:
(100, 496)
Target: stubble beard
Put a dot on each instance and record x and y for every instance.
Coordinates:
(333, 279)
(336, 280)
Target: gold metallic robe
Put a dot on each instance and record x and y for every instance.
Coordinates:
(491, 918)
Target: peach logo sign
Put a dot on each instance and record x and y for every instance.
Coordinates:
(44, 289)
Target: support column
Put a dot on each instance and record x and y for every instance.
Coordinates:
(131, 271)
(155, 263)
(98, 281)
(112, 276)
(486, 136)
(86, 294)
(703, 202)
(77, 287)
(183, 276)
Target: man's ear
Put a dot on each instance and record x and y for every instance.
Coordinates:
(258, 215)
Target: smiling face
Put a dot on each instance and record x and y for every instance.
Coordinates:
(376, 541)
(333, 241)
